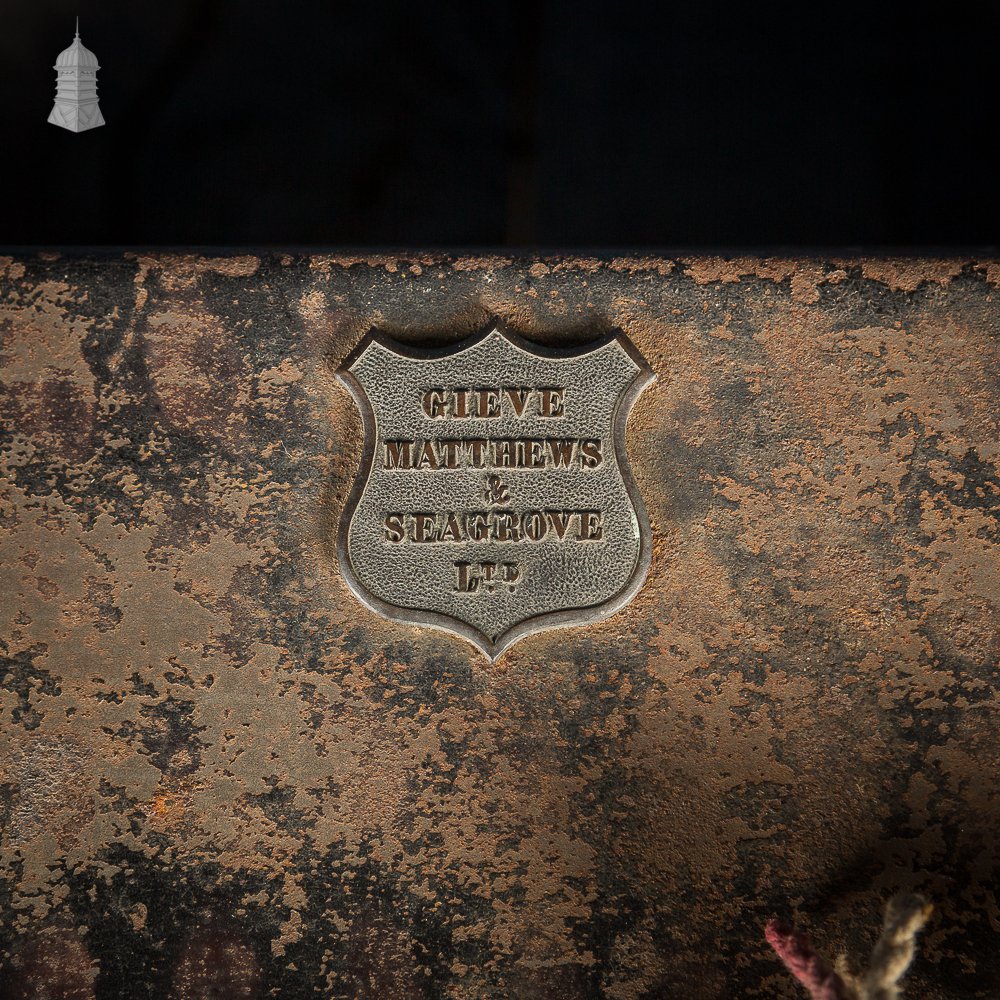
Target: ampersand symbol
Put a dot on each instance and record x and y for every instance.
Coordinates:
(496, 492)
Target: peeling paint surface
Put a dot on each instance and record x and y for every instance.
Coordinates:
(219, 771)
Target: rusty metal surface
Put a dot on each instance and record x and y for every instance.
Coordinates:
(219, 770)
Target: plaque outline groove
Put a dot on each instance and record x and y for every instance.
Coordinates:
(566, 618)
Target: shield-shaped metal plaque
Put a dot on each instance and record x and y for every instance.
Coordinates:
(494, 497)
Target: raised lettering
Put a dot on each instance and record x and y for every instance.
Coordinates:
(590, 454)
(423, 527)
(518, 399)
(394, 531)
(591, 527)
(397, 454)
(433, 402)
(561, 452)
(489, 403)
(553, 403)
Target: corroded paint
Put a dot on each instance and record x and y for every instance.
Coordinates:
(219, 771)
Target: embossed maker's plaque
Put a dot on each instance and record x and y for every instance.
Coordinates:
(494, 497)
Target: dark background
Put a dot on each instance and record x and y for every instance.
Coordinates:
(552, 124)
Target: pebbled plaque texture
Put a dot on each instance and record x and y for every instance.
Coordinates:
(223, 774)
(494, 498)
